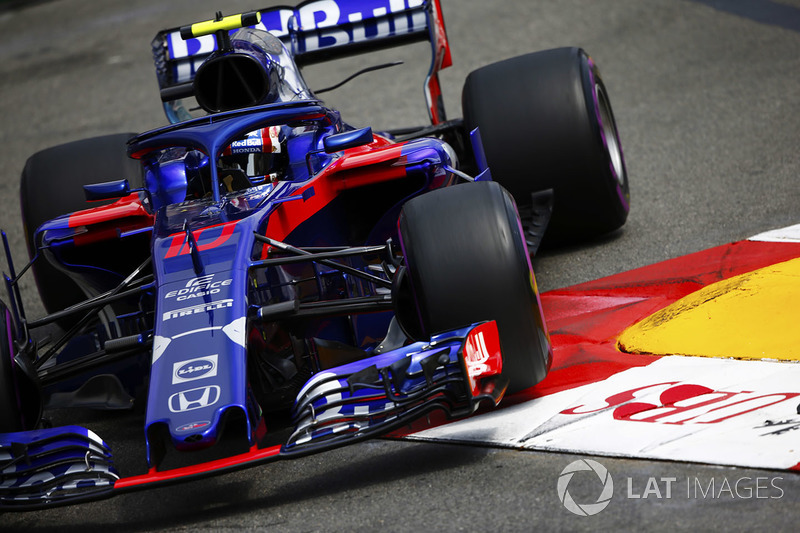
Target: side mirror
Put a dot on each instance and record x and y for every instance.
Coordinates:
(348, 139)
(107, 190)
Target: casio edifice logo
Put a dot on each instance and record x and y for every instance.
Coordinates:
(200, 286)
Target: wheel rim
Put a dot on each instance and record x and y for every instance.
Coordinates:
(609, 130)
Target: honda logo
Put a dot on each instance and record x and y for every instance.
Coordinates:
(192, 399)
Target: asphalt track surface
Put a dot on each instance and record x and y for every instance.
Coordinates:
(707, 103)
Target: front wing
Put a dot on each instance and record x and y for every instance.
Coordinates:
(454, 372)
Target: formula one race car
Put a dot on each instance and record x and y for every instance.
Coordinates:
(266, 280)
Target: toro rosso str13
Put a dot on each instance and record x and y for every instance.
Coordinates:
(267, 281)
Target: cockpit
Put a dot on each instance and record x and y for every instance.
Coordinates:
(253, 69)
(179, 174)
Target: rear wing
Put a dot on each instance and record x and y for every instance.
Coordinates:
(321, 30)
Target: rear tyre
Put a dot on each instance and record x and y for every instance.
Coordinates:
(546, 123)
(52, 185)
(467, 262)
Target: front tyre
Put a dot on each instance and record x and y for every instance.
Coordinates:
(20, 402)
(467, 262)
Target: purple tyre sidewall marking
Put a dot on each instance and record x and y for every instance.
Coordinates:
(600, 122)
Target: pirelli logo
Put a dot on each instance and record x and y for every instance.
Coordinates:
(202, 308)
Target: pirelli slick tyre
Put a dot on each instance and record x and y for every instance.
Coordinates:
(52, 185)
(467, 262)
(546, 123)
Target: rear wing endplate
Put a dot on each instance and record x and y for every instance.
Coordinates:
(321, 30)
